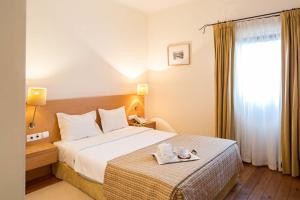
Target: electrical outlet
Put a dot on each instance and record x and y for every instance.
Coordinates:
(34, 137)
(37, 136)
(30, 138)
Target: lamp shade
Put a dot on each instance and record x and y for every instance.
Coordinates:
(36, 96)
(142, 89)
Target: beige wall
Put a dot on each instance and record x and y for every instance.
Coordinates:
(85, 47)
(99, 47)
(12, 87)
(184, 96)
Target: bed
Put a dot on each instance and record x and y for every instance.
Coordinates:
(119, 165)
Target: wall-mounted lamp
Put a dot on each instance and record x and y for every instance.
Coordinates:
(142, 89)
(36, 97)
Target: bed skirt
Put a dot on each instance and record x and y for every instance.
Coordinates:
(95, 190)
(62, 171)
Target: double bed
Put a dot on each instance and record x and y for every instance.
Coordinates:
(119, 165)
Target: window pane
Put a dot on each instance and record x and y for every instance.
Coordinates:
(258, 72)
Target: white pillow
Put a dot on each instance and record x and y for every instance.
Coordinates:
(113, 119)
(74, 127)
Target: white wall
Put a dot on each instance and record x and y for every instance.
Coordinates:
(12, 87)
(85, 47)
(184, 96)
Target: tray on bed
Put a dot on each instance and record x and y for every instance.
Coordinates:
(175, 159)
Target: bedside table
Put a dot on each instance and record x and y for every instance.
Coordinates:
(39, 155)
(148, 124)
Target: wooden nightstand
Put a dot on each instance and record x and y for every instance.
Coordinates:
(39, 155)
(149, 124)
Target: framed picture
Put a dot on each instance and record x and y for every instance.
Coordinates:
(179, 54)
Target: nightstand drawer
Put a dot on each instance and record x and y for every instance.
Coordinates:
(41, 159)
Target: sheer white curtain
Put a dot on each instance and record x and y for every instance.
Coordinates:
(257, 91)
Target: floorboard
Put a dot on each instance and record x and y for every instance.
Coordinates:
(295, 190)
(261, 186)
(260, 183)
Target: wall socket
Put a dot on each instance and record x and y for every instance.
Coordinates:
(37, 136)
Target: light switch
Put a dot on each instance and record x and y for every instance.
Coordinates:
(45, 134)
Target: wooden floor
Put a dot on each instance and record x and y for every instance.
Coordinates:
(262, 183)
(255, 183)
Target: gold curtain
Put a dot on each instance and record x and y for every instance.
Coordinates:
(224, 50)
(290, 119)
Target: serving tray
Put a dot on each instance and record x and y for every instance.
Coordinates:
(175, 159)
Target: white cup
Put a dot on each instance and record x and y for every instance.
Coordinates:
(183, 152)
(165, 150)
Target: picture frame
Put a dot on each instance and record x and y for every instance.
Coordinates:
(179, 54)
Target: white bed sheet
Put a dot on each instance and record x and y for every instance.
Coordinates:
(89, 156)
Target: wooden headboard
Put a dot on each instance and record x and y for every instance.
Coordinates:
(46, 119)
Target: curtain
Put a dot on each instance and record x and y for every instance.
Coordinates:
(257, 91)
(224, 46)
(290, 122)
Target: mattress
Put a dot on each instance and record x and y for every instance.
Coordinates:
(89, 156)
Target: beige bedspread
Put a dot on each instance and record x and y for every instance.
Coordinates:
(138, 176)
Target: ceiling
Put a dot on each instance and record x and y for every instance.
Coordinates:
(151, 6)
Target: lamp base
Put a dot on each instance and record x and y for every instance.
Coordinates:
(31, 125)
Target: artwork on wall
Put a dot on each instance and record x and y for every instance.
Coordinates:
(179, 54)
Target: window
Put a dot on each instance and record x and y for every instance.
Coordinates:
(257, 91)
